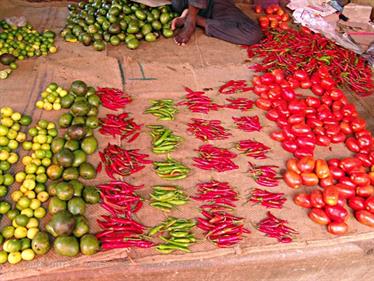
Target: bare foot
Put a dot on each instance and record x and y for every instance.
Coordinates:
(186, 32)
(179, 21)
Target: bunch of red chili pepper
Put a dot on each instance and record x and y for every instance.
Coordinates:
(198, 102)
(221, 227)
(113, 99)
(233, 87)
(214, 158)
(343, 181)
(208, 129)
(253, 148)
(293, 50)
(242, 104)
(122, 162)
(120, 125)
(264, 175)
(248, 123)
(306, 122)
(276, 228)
(119, 230)
(267, 199)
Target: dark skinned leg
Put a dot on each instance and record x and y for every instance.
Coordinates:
(189, 26)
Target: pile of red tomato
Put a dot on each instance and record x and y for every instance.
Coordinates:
(305, 122)
(322, 119)
(345, 183)
(275, 17)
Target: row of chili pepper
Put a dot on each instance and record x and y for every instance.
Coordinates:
(163, 139)
(166, 197)
(293, 50)
(170, 169)
(176, 235)
(164, 109)
(266, 198)
(264, 175)
(121, 162)
(253, 148)
(119, 229)
(207, 129)
(221, 227)
(247, 123)
(197, 101)
(120, 125)
(113, 99)
(214, 158)
(276, 228)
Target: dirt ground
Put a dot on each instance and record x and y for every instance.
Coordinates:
(162, 70)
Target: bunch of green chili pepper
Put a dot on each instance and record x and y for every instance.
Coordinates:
(163, 139)
(163, 109)
(176, 235)
(166, 197)
(170, 169)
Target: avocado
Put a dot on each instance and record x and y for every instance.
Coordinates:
(40, 243)
(62, 223)
(80, 108)
(65, 158)
(79, 88)
(66, 246)
(7, 59)
(77, 132)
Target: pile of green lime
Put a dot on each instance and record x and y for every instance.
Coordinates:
(11, 136)
(116, 22)
(51, 97)
(19, 43)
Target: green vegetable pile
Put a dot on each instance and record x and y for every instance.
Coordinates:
(19, 43)
(118, 21)
(163, 139)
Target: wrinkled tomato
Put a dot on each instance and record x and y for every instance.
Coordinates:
(331, 195)
(337, 228)
(322, 169)
(356, 203)
(365, 217)
(369, 204)
(326, 182)
(292, 179)
(316, 199)
(336, 213)
(306, 164)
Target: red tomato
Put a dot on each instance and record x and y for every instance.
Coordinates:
(331, 195)
(365, 191)
(300, 129)
(363, 133)
(322, 169)
(289, 145)
(313, 102)
(302, 200)
(323, 140)
(256, 80)
(258, 9)
(306, 142)
(316, 199)
(327, 83)
(333, 162)
(314, 122)
(280, 12)
(288, 133)
(292, 165)
(285, 17)
(264, 104)
(365, 217)
(349, 163)
(352, 144)
(278, 75)
(347, 181)
(277, 136)
(309, 179)
(264, 22)
(294, 83)
(273, 23)
(371, 176)
(361, 179)
(349, 110)
(303, 152)
(272, 114)
(336, 172)
(269, 10)
(337, 228)
(296, 118)
(326, 100)
(283, 25)
(261, 89)
(358, 124)
(336, 213)
(366, 162)
(326, 182)
(332, 130)
(369, 204)
(345, 191)
(292, 179)
(288, 94)
(306, 164)
(317, 90)
(345, 127)
(336, 94)
(365, 141)
(306, 84)
(356, 203)
(267, 79)
(319, 216)
(297, 106)
(301, 75)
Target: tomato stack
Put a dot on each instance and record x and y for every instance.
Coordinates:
(275, 17)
